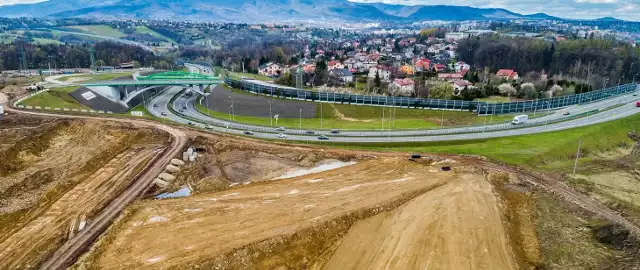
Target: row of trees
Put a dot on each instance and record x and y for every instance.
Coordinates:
(596, 62)
(75, 56)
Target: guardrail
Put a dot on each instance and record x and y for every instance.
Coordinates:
(384, 133)
(440, 104)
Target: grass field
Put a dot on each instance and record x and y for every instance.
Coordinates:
(146, 30)
(547, 151)
(95, 77)
(494, 99)
(55, 98)
(102, 30)
(343, 116)
(45, 41)
(239, 75)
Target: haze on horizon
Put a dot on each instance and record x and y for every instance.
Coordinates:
(578, 9)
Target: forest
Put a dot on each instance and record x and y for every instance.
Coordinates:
(597, 62)
(75, 56)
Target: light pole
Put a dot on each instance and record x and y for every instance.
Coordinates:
(232, 109)
(442, 120)
(270, 114)
(485, 118)
(300, 127)
(321, 116)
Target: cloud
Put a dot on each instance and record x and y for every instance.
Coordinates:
(13, 2)
(575, 9)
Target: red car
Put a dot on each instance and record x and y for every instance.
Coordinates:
(638, 104)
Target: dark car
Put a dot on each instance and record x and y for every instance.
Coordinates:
(191, 124)
(323, 138)
(310, 132)
(246, 132)
(155, 105)
(335, 131)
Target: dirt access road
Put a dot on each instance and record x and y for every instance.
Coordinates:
(75, 246)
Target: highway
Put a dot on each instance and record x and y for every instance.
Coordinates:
(161, 104)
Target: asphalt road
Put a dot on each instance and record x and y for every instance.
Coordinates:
(161, 104)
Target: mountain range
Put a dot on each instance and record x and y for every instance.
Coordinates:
(252, 11)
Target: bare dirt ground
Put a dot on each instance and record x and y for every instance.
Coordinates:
(298, 223)
(57, 174)
(223, 162)
(455, 226)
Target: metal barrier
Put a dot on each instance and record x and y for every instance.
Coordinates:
(427, 103)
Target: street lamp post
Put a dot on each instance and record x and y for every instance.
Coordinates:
(300, 127)
(233, 109)
(270, 114)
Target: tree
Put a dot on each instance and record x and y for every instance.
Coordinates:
(377, 82)
(554, 90)
(507, 90)
(528, 90)
(441, 91)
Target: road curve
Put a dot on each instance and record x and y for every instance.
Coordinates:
(161, 104)
(603, 111)
(74, 247)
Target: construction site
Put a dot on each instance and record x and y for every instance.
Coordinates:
(226, 202)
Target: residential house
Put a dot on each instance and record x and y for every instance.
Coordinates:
(270, 69)
(341, 76)
(383, 71)
(460, 66)
(507, 74)
(459, 85)
(435, 48)
(422, 64)
(350, 63)
(402, 87)
(407, 69)
(439, 67)
(450, 76)
(334, 65)
(454, 36)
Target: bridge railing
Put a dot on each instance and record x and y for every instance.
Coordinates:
(427, 103)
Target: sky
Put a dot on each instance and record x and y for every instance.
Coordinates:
(578, 9)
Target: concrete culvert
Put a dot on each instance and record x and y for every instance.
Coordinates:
(416, 156)
(446, 168)
(172, 168)
(166, 177)
(177, 162)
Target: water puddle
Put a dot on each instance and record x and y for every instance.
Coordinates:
(326, 166)
(183, 192)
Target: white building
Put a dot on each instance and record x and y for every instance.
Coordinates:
(382, 71)
(402, 87)
(270, 69)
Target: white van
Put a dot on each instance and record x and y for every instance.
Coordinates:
(520, 120)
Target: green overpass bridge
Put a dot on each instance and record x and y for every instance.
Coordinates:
(129, 89)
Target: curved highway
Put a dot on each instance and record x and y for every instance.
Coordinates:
(189, 114)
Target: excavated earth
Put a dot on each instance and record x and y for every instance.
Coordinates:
(268, 206)
(55, 175)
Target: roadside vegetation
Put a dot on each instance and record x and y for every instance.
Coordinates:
(94, 77)
(344, 116)
(55, 98)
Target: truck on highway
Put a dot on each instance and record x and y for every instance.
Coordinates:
(520, 120)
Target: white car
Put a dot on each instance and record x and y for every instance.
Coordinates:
(208, 127)
(282, 136)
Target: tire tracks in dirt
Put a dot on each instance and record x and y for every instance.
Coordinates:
(74, 247)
